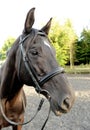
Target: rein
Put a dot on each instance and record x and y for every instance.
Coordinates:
(37, 83)
(18, 123)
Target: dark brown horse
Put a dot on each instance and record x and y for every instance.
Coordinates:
(31, 61)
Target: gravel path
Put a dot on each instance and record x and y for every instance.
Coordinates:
(77, 119)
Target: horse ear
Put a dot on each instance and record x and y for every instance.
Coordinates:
(46, 28)
(29, 21)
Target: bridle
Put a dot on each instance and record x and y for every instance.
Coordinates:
(37, 83)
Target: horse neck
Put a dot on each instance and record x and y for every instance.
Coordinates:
(10, 85)
(9, 82)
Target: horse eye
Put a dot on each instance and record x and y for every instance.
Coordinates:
(34, 53)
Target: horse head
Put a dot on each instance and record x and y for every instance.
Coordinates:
(35, 57)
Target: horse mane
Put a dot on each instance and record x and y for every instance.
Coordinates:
(14, 47)
(9, 77)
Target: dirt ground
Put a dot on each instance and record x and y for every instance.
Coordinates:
(77, 119)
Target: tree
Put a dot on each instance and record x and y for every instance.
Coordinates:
(72, 38)
(7, 45)
(63, 38)
(56, 36)
(83, 47)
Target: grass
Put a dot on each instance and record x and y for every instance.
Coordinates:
(81, 69)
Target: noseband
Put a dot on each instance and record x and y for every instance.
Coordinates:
(37, 83)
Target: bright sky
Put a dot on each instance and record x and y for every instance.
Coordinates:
(13, 14)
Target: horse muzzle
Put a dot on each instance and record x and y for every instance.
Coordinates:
(63, 106)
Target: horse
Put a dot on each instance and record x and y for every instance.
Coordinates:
(32, 61)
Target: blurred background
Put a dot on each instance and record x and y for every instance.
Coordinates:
(69, 34)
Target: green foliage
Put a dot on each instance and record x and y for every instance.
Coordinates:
(7, 45)
(62, 37)
(83, 48)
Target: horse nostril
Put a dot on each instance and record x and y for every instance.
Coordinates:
(67, 103)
